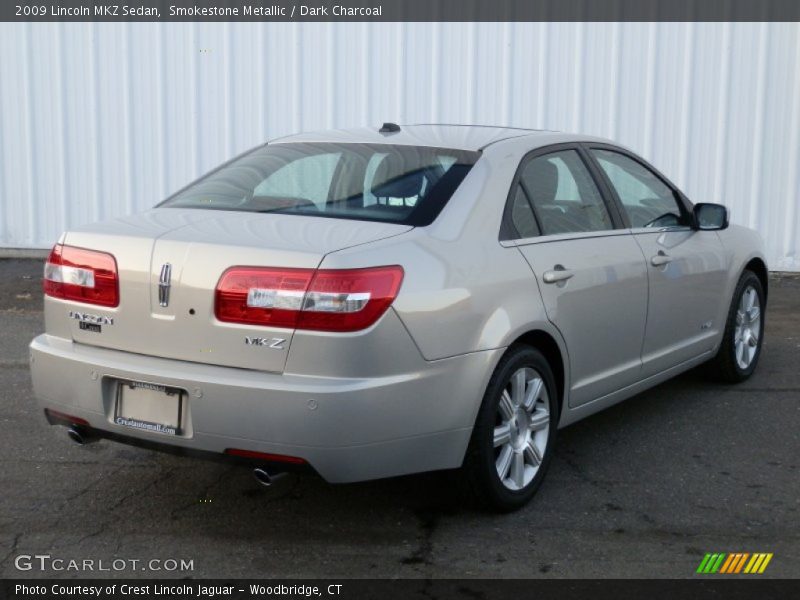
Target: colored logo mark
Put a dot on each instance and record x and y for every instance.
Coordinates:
(736, 562)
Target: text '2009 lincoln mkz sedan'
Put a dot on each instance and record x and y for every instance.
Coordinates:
(376, 302)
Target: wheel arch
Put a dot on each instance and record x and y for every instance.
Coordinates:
(545, 343)
(759, 267)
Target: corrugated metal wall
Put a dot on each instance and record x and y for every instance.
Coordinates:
(99, 120)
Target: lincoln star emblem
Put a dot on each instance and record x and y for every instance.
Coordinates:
(164, 285)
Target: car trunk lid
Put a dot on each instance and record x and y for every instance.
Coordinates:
(169, 262)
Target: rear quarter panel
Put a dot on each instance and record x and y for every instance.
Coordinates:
(463, 291)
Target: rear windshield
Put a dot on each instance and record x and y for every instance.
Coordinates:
(375, 182)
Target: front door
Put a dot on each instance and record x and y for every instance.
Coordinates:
(685, 269)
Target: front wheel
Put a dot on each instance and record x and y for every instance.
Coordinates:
(744, 332)
(515, 430)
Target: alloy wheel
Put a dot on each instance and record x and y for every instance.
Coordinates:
(748, 327)
(522, 427)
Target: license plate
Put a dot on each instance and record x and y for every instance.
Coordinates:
(149, 407)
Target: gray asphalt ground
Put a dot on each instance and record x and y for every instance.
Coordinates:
(644, 489)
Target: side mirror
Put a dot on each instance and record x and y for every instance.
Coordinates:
(710, 217)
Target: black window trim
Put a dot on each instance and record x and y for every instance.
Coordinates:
(684, 204)
(508, 231)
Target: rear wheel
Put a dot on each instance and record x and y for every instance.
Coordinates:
(738, 354)
(514, 432)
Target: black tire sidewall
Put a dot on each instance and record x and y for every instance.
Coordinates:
(489, 485)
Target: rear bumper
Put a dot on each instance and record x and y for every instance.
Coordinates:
(347, 429)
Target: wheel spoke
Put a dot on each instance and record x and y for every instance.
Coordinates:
(503, 462)
(518, 470)
(740, 352)
(518, 387)
(751, 298)
(532, 454)
(532, 393)
(753, 314)
(749, 352)
(506, 406)
(539, 420)
(502, 434)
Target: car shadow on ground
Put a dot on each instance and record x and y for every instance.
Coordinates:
(428, 496)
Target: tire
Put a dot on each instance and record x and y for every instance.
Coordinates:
(728, 365)
(530, 444)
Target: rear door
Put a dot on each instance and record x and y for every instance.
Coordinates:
(686, 272)
(590, 271)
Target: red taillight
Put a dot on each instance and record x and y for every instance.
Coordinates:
(322, 300)
(259, 296)
(55, 415)
(264, 456)
(349, 300)
(81, 275)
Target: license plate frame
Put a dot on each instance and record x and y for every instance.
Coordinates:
(150, 407)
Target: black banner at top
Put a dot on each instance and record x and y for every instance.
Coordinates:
(398, 10)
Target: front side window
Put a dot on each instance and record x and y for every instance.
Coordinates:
(646, 199)
(374, 182)
(563, 194)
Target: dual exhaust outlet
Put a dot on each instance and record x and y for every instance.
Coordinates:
(261, 475)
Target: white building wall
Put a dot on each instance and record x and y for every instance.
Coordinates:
(100, 119)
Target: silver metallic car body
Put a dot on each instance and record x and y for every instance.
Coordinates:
(401, 396)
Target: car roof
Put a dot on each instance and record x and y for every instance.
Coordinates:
(460, 137)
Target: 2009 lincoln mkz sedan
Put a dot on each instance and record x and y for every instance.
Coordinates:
(375, 302)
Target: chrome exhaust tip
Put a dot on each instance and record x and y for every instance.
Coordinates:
(266, 478)
(80, 437)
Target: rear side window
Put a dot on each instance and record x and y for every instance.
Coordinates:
(647, 200)
(375, 182)
(522, 215)
(563, 195)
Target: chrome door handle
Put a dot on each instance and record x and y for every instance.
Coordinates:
(558, 273)
(660, 259)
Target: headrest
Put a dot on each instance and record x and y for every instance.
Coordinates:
(393, 180)
(541, 178)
